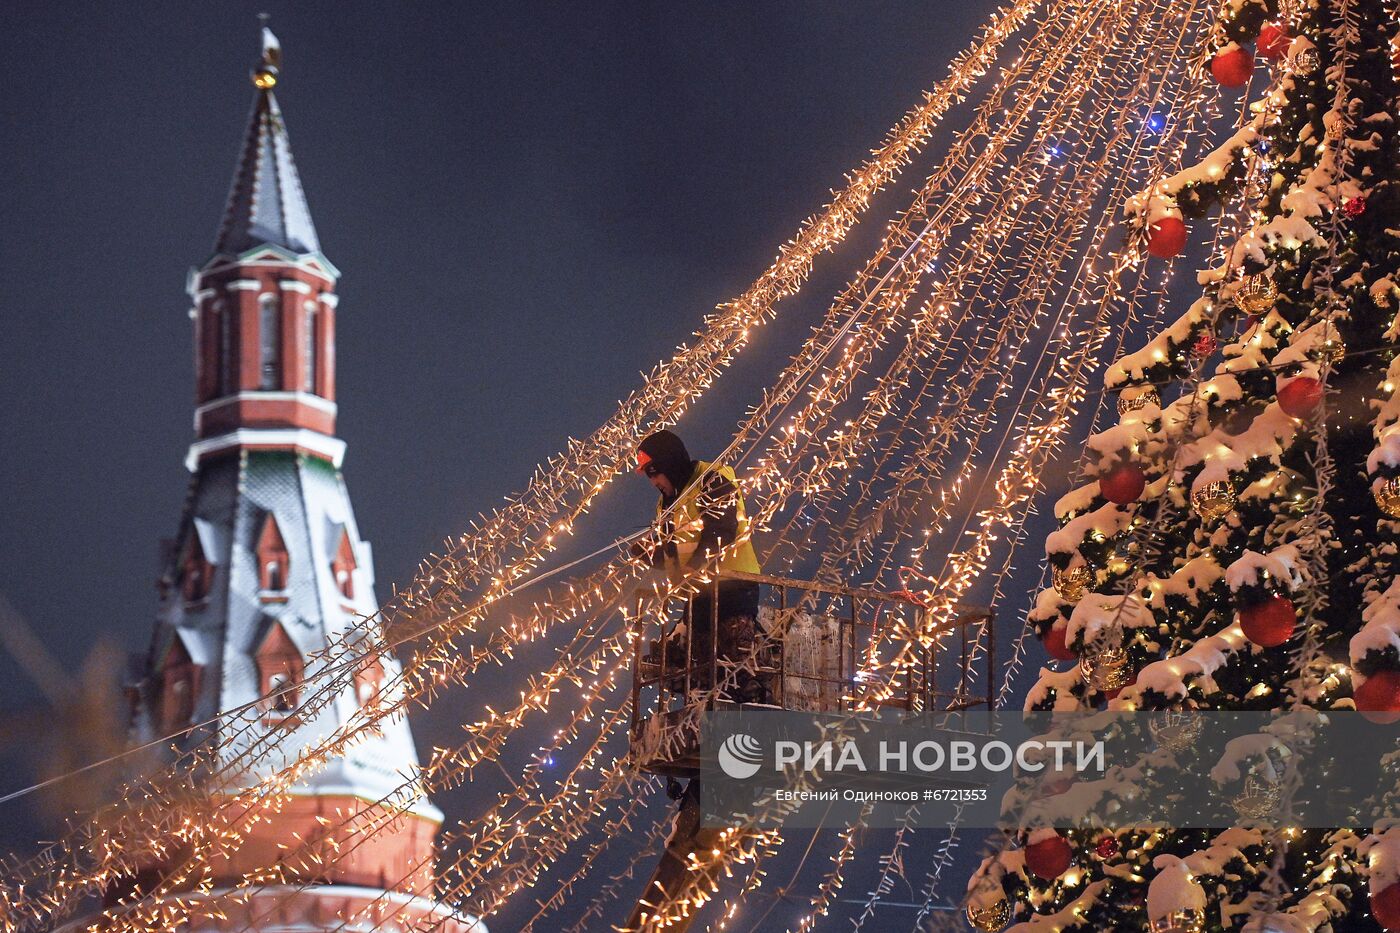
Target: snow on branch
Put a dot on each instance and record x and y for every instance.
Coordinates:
(1283, 564)
(1172, 677)
(1380, 630)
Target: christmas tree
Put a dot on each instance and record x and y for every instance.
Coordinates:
(1234, 546)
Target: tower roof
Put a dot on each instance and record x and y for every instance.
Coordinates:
(266, 203)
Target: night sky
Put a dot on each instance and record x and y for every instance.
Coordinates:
(529, 204)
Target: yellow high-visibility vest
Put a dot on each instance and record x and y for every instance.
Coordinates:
(688, 522)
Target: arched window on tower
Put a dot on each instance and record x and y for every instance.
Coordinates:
(369, 681)
(269, 343)
(280, 670)
(273, 562)
(343, 566)
(196, 572)
(308, 378)
(179, 683)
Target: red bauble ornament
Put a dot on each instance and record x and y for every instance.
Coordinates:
(1055, 645)
(1048, 858)
(1273, 41)
(1379, 697)
(1385, 907)
(1270, 623)
(1167, 237)
(1122, 484)
(1300, 397)
(1232, 67)
(1107, 847)
(1205, 346)
(1354, 207)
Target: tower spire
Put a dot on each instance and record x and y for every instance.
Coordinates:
(265, 304)
(266, 204)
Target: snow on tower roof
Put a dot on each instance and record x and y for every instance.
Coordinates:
(266, 203)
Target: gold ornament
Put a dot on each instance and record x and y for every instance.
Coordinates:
(1176, 730)
(1107, 669)
(990, 917)
(1190, 920)
(264, 76)
(1307, 60)
(1257, 295)
(1139, 401)
(1387, 493)
(1332, 350)
(1258, 800)
(1336, 130)
(1214, 500)
(1070, 583)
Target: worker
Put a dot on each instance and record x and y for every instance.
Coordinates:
(705, 528)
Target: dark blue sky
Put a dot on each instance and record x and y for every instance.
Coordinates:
(530, 204)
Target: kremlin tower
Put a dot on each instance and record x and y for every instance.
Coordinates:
(269, 568)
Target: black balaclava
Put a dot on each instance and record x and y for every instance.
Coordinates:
(668, 452)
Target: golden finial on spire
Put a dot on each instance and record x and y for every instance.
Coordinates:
(265, 74)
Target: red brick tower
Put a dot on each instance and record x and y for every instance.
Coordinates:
(269, 568)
